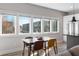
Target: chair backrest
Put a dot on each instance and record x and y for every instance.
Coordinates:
(40, 38)
(38, 45)
(51, 43)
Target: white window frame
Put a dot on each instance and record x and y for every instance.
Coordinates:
(32, 25)
(0, 24)
(57, 25)
(17, 26)
(14, 25)
(45, 19)
(29, 25)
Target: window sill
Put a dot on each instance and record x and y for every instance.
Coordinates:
(8, 35)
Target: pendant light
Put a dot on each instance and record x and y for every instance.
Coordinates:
(73, 18)
(73, 24)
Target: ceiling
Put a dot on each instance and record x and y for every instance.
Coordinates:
(64, 7)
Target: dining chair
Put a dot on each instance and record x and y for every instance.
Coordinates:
(38, 45)
(52, 43)
(40, 38)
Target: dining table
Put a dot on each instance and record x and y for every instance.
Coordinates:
(28, 43)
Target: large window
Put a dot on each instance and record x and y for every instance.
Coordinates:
(54, 25)
(24, 23)
(8, 24)
(20, 24)
(36, 25)
(46, 25)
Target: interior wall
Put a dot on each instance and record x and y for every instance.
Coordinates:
(14, 43)
(66, 19)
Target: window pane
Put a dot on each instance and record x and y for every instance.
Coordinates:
(54, 25)
(8, 24)
(24, 23)
(46, 26)
(36, 25)
(73, 28)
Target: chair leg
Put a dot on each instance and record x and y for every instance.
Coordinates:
(54, 49)
(48, 52)
(23, 50)
(33, 53)
(45, 49)
(45, 52)
(37, 53)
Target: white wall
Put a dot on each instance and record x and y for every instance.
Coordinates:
(14, 43)
(66, 19)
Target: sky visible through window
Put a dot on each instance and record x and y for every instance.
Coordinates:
(9, 18)
(23, 20)
(36, 19)
(8, 24)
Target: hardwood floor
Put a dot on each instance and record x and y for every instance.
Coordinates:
(61, 48)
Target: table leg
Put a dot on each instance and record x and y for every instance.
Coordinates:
(23, 50)
(29, 50)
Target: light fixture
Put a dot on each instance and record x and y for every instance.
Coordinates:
(73, 18)
(73, 25)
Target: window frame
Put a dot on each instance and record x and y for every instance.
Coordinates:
(13, 22)
(16, 24)
(29, 24)
(45, 19)
(33, 28)
(51, 30)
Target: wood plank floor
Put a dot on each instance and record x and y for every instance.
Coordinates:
(61, 48)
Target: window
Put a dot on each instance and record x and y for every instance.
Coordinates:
(36, 25)
(24, 23)
(46, 24)
(8, 24)
(54, 25)
(73, 28)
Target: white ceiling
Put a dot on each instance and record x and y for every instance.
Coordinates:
(65, 7)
